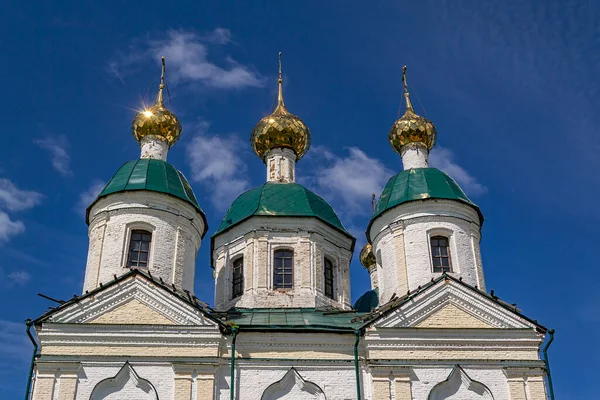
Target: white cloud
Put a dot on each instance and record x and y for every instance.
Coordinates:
(188, 61)
(9, 228)
(19, 277)
(89, 195)
(350, 180)
(443, 159)
(14, 199)
(220, 36)
(216, 163)
(57, 147)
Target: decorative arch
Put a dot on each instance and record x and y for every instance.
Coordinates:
(125, 384)
(459, 386)
(293, 387)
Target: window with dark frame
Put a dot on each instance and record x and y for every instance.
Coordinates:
(283, 269)
(440, 254)
(328, 278)
(139, 249)
(238, 277)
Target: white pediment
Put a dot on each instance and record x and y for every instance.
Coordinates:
(133, 301)
(450, 304)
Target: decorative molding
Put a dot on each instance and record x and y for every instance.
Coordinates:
(457, 383)
(126, 375)
(450, 292)
(149, 294)
(290, 381)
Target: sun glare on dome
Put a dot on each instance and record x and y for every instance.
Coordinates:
(148, 113)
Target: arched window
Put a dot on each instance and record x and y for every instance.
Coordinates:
(283, 269)
(328, 272)
(139, 249)
(238, 277)
(440, 254)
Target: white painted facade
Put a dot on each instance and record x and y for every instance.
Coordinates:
(256, 240)
(84, 356)
(176, 229)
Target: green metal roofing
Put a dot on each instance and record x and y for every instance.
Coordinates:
(282, 200)
(420, 184)
(295, 319)
(368, 301)
(151, 175)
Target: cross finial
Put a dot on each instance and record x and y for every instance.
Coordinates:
(159, 99)
(405, 87)
(280, 85)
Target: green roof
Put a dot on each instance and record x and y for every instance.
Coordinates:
(295, 319)
(420, 184)
(281, 200)
(150, 175)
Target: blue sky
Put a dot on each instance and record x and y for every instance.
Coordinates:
(511, 86)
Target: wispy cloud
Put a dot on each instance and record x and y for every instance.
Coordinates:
(348, 181)
(216, 163)
(187, 55)
(19, 277)
(443, 159)
(9, 228)
(14, 199)
(86, 197)
(57, 147)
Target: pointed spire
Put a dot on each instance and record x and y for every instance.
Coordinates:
(280, 102)
(159, 98)
(406, 94)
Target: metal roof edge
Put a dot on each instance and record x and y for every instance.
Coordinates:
(132, 272)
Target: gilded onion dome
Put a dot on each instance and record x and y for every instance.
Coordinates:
(157, 120)
(411, 128)
(280, 129)
(367, 258)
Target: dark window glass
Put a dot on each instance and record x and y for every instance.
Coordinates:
(328, 278)
(238, 277)
(440, 254)
(139, 248)
(283, 269)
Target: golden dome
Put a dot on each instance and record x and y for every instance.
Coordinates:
(411, 128)
(157, 120)
(280, 129)
(367, 258)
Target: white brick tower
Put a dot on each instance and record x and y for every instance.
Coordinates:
(281, 245)
(423, 224)
(147, 216)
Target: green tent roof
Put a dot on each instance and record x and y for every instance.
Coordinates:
(420, 184)
(281, 200)
(151, 175)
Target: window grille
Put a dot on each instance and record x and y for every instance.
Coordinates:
(328, 278)
(440, 254)
(238, 277)
(283, 271)
(139, 249)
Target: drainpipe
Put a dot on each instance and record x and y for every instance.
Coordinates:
(29, 324)
(234, 331)
(356, 370)
(544, 352)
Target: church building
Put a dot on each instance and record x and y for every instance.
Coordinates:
(282, 324)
